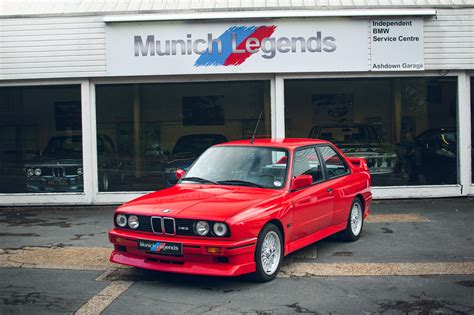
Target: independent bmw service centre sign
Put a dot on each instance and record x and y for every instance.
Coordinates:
(316, 45)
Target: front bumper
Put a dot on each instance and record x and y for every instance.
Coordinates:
(236, 257)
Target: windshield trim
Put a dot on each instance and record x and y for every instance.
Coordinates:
(248, 146)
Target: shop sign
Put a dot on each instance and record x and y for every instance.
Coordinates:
(396, 44)
(157, 48)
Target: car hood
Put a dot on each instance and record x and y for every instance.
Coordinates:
(194, 201)
(366, 147)
(54, 160)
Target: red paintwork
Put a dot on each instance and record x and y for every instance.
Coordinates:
(306, 215)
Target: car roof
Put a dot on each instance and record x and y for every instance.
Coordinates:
(277, 143)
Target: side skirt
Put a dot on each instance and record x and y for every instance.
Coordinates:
(310, 239)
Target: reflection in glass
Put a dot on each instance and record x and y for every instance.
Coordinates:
(240, 166)
(404, 127)
(159, 128)
(40, 139)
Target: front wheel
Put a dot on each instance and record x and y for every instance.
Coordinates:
(355, 222)
(268, 254)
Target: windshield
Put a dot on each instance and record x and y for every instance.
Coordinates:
(195, 145)
(347, 134)
(64, 145)
(240, 166)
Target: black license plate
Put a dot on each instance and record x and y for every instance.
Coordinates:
(160, 247)
(58, 182)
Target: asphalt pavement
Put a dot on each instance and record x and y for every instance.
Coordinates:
(415, 256)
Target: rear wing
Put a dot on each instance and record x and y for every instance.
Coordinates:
(359, 163)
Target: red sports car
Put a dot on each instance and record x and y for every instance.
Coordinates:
(242, 206)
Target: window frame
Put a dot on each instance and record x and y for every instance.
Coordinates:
(324, 175)
(349, 171)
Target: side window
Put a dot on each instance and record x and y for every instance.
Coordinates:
(307, 163)
(334, 164)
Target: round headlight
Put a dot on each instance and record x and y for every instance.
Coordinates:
(121, 220)
(202, 228)
(79, 171)
(220, 229)
(30, 172)
(133, 222)
(38, 172)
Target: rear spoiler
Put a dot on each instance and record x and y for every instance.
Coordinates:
(359, 163)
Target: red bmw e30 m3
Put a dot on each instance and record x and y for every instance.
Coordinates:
(244, 205)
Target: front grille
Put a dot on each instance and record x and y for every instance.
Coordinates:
(57, 171)
(169, 226)
(156, 224)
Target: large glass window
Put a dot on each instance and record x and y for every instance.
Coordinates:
(40, 139)
(154, 129)
(404, 127)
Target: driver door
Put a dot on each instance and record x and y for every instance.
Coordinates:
(312, 206)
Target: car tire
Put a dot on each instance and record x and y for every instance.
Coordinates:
(355, 222)
(268, 253)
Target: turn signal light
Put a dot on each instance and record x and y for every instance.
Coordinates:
(119, 240)
(213, 250)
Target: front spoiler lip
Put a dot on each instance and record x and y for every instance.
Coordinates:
(194, 268)
(240, 253)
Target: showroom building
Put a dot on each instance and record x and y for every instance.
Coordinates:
(101, 102)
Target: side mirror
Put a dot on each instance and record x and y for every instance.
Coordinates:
(301, 181)
(179, 174)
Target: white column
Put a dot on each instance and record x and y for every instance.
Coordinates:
(87, 145)
(464, 132)
(278, 107)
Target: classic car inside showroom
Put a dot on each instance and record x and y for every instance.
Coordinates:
(101, 102)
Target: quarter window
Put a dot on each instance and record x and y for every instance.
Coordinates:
(334, 164)
(307, 163)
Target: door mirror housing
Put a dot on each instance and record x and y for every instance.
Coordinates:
(179, 174)
(301, 181)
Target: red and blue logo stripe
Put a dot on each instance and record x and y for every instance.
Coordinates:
(229, 58)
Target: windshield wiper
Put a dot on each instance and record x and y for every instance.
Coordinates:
(239, 182)
(198, 180)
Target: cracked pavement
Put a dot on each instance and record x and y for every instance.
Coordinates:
(415, 256)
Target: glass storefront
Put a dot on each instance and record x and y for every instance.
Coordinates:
(40, 139)
(404, 127)
(147, 131)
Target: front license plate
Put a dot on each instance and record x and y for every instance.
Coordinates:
(58, 182)
(165, 248)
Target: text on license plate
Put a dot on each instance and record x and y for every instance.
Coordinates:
(166, 248)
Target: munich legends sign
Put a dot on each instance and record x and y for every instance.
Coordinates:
(189, 48)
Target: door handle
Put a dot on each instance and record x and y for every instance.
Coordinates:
(329, 189)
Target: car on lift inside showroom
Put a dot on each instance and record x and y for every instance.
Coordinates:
(244, 205)
(359, 140)
(186, 150)
(58, 168)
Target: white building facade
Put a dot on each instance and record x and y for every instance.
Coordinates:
(101, 101)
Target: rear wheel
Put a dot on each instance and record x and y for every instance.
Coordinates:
(355, 222)
(268, 254)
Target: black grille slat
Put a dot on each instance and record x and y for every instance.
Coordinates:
(185, 227)
(145, 224)
(156, 223)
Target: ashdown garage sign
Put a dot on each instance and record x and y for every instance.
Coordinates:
(283, 46)
(323, 45)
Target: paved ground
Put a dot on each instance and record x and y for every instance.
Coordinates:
(415, 256)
